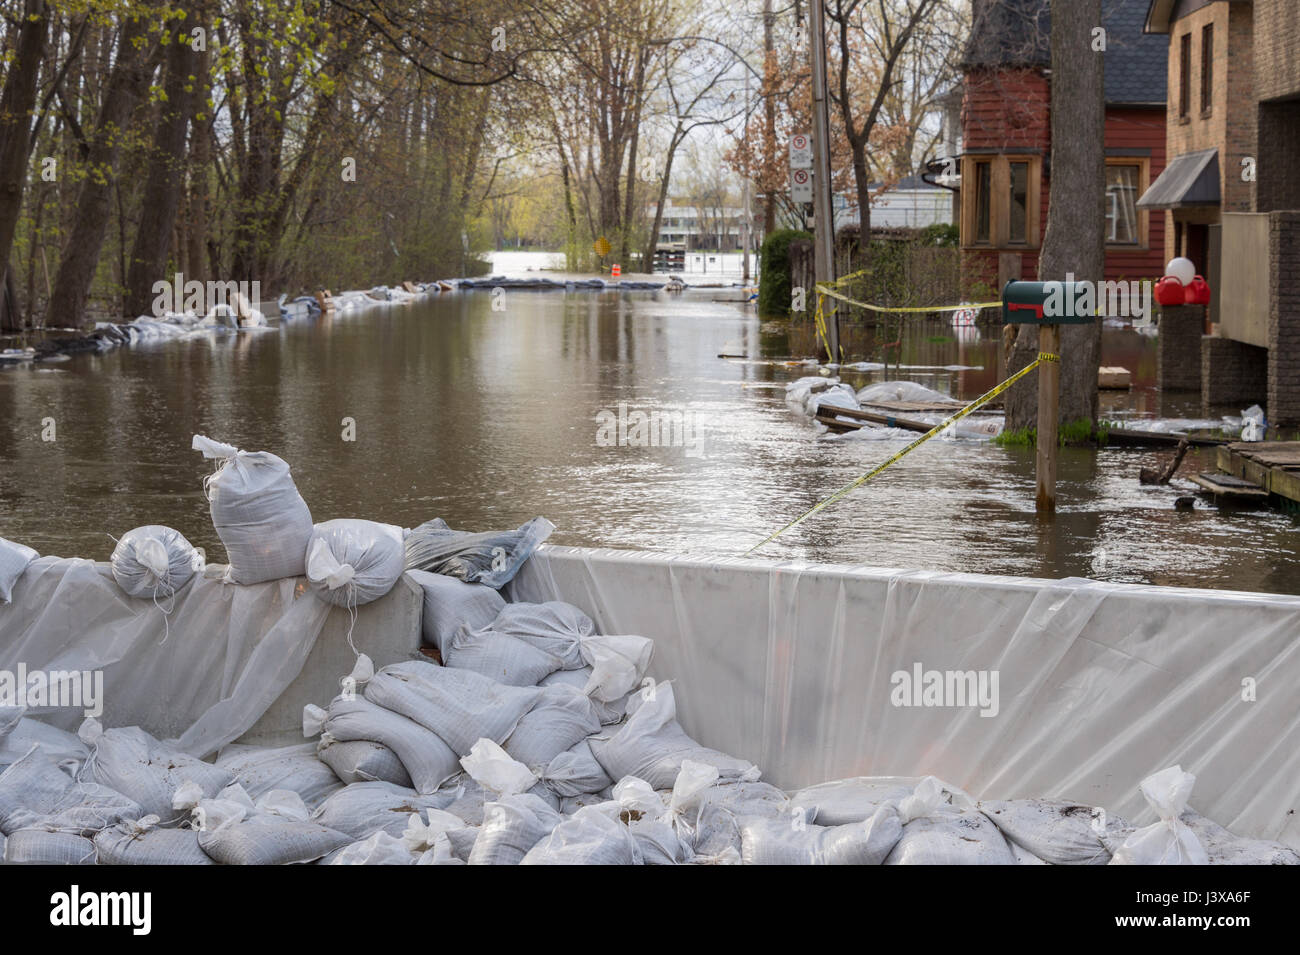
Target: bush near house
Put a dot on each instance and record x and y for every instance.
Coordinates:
(774, 271)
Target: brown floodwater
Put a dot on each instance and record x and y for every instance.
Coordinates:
(489, 417)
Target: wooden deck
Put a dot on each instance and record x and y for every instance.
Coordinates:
(1273, 465)
(1229, 489)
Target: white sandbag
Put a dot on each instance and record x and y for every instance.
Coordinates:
(63, 747)
(575, 771)
(607, 713)
(842, 801)
(284, 803)
(153, 562)
(378, 849)
(726, 808)
(589, 837)
(562, 717)
(264, 843)
(363, 760)
(450, 604)
(145, 770)
(618, 662)
(492, 558)
(142, 843)
(263, 769)
(353, 562)
(1057, 831)
(651, 745)
(14, 559)
(648, 818)
(512, 825)
(10, 717)
(427, 759)
(467, 803)
(37, 846)
(941, 827)
(1224, 848)
(555, 627)
(362, 809)
(496, 771)
(460, 706)
(34, 791)
(791, 842)
(262, 520)
(1169, 841)
(571, 804)
(500, 657)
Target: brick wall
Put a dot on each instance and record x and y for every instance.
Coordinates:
(1178, 348)
(1277, 40)
(1284, 319)
(1232, 373)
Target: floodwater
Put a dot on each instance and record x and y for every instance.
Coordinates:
(487, 418)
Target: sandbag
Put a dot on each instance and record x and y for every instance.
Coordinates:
(63, 747)
(1169, 841)
(265, 843)
(362, 809)
(37, 846)
(500, 657)
(145, 770)
(34, 791)
(1056, 831)
(554, 627)
(1224, 848)
(607, 713)
(458, 705)
(450, 604)
(153, 562)
(353, 562)
(841, 801)
(141, 843)
(561, 718)
(589, 837)
(492, 558)
(363, 760)
(651, 745)
(14, 559)
(427, 759)
(262, 520)
(787, 842)
(575, 771)
(942, 827)
(618, 662)
(512, 825)
(296, 768)
(725, 809)
(10, 717)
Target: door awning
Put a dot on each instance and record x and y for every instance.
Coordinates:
(1190, 180)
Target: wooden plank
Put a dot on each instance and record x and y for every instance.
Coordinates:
(1049, 399)
(1224, 485)
(917, 407)
(1114, 377)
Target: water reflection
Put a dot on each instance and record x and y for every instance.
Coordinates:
(488, 418)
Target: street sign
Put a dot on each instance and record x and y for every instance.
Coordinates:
(801, 156)
(601, 247)
(801, 189)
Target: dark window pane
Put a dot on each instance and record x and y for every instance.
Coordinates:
(1019, 201)
(1207, 66)
(1184, 74)
(983, 186)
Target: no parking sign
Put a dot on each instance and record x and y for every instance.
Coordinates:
(801, 189)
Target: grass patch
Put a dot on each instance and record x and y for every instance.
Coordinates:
(1079, 433)
(940, 340)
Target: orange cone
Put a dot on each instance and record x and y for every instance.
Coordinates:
(616, 271)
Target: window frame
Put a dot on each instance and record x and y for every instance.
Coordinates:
(1143, 224)
(999, 166)
(1207, 69)
(1185, 75)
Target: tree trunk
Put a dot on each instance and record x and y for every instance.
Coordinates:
(1076, 214)
(125, 85)
(164, 177)
(769, 110)
(16, 104)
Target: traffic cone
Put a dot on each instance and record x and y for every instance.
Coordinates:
(616, 271)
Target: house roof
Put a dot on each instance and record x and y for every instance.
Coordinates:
(1017, 33)
(912, 183)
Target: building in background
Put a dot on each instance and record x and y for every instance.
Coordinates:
(911, 203)
(1004, 165)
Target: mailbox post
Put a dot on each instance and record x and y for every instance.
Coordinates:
(1049, 305)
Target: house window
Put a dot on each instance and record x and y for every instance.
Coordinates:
(1123, 181)
(983, 201)
(1019, 196)
(1207, 66)
(1184, 75)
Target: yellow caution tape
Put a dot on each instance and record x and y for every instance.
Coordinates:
(1048, 356)
(826, 290)
(978, 402)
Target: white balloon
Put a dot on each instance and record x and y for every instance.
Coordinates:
(1181, 269)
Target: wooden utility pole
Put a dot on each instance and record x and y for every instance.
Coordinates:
(824, 243)
(1049, 400)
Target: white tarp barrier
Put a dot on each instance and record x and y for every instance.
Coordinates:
(205, 671)
(805, 670)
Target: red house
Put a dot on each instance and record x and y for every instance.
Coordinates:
(1005, 155)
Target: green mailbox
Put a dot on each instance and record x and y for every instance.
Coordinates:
(1048, 303)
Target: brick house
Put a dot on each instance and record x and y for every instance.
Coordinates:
(1006, 140)
(1230, 191)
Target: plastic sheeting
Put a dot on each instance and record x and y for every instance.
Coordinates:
(206, 672)
(795, 666)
